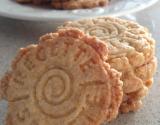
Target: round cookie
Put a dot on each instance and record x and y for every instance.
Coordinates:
(24, 1)
(68, 4)
(34, 1)
(64, 80)
(75, 4)
(146, 71)
(132, 101)
(130, 48)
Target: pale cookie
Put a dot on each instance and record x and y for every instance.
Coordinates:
(146, 71)
(132, 100)
(75, 4)
(63, 80)
(130, 48)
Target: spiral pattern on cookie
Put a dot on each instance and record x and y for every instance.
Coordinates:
(53, 91)
(131, 48)
(121, 36)
(63, 81)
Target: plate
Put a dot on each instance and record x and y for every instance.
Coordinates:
(12, 9)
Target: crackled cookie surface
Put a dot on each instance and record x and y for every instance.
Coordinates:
(62, 81)
(131, 51)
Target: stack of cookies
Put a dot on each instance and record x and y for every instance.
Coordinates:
(131, 52)
(84, 74)
(68, 4)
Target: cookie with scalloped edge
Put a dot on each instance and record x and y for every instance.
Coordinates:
(131, 48)
(63, 80)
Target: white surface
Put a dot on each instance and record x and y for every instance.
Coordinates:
(11, 9)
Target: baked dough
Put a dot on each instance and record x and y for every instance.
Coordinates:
(131, 52)
(64, 80)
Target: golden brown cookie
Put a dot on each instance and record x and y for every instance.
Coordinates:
(131, 48)
(64, 80)
(68, 4)
(75, 4)
(34, 1)
(24, 1)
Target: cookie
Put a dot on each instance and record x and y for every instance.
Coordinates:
(130, 48)
(64, 80)
(34, 1)
(68, 4)
(146, 71)
(24, 1)
(75, 4)
(132, 100)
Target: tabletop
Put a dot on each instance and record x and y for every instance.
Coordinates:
(15, 34)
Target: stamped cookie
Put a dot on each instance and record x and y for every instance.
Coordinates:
(63, 80)
(131, 48)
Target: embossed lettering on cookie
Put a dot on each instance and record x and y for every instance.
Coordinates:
(63, 80)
